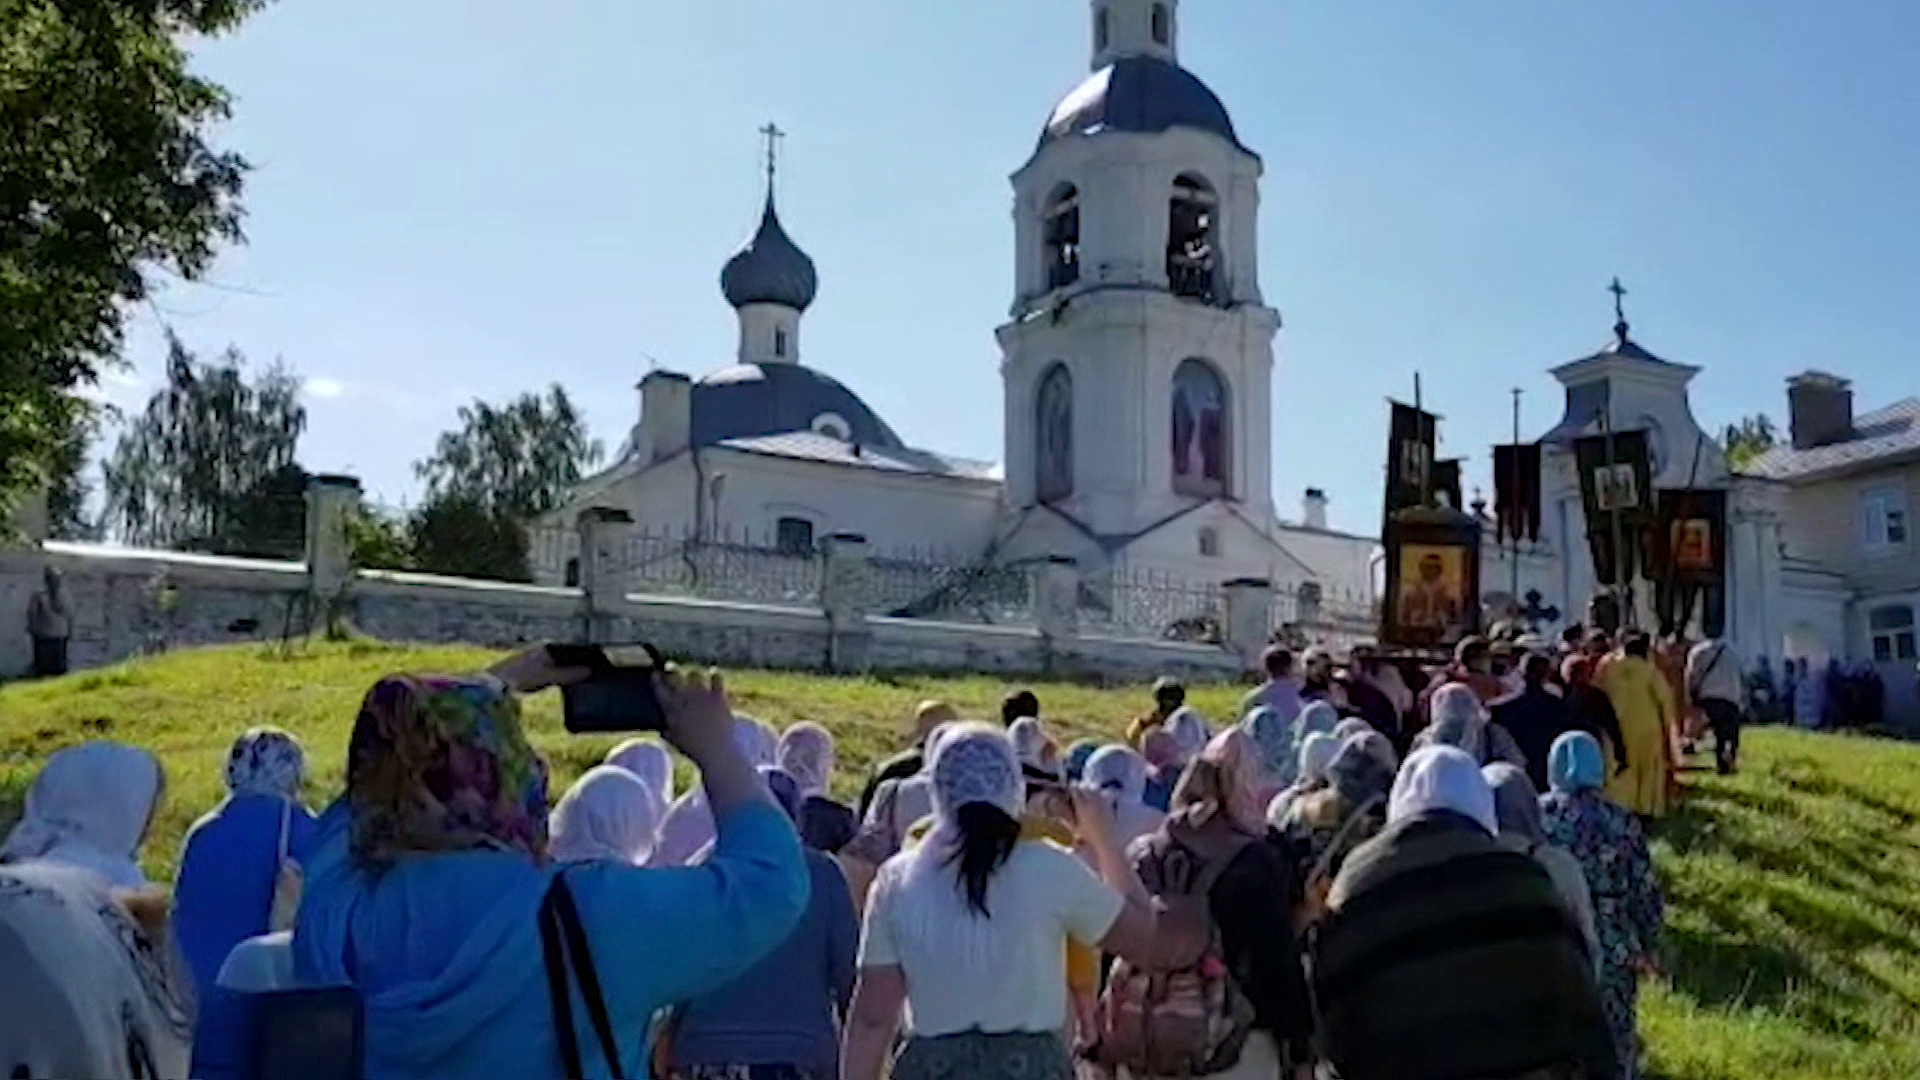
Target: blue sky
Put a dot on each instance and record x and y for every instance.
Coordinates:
(459, 198)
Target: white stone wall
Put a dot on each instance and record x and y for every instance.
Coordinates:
(126, 602)
(221, 601)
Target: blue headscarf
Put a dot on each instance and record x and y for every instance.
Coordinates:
(1077, 756)
(1276, 738)
(1575, 763)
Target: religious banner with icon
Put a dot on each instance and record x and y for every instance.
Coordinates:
(1433, 579)
(1516, 492)
(1688, 555)
(1411, 441)
(1616, 489)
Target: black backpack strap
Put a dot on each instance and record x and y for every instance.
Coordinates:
(564, 942)
(558, 992)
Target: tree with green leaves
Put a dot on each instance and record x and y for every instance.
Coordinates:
(458, 536)
(1748, 439)
(501, 468)
(67, 485)
(109, 181)
(210, 464)
(379, 539)
(520, 459)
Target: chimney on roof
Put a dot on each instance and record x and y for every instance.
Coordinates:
(1313, 507)
(1821, 409)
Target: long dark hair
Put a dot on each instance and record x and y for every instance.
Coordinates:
(987, 836)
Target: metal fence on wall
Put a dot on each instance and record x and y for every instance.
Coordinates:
(1121, 602)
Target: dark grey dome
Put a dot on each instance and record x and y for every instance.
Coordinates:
(750, 400)
(770, 269)
(1141, 94)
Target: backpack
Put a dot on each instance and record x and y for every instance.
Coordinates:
(1465, 968)
(1190, 1021)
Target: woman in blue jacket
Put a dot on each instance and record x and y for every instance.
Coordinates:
(225, 891)
(426, 896)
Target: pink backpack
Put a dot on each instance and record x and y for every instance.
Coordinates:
(1190, 1021)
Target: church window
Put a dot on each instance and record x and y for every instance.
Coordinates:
(1192, 246)
(1209, 543)
(1884, 519)
(793, 536)
(1062, 236)
(1162, 25)
(572, 578)
(1199, 430)
(1308, 599)
(1102, 29)
(1893, 633)
(1053, 435)
(833, 426)
(780, 343)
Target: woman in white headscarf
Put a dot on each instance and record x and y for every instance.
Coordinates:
(90, 808)
(1461, 721)
(94, 987)
(1438, 795)
(1029, 741)
(651, 762)
(968, 925)
(1121, 775)
(1316, 755)
(607, 816)
(1190, 732)
(807, 754)
(688, 827)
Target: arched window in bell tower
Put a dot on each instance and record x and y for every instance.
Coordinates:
(1062, 237)
(1192, 249)
(1200, 432)
(1053, 435)
(1162, 25)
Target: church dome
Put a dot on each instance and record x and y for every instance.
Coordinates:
(1141, 94)
(770, 269)
(752, 400)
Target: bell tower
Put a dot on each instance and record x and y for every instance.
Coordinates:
(1135, 28)
(1138, 363)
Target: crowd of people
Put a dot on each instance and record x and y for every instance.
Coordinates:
(1373, 873)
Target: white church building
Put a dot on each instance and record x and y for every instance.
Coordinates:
(1137, 368)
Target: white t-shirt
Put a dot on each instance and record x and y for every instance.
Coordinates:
(1041, 896)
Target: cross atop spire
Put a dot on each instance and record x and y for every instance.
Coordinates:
(1620, 326)
(773, 135)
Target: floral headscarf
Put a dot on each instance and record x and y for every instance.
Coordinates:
(266, 761)
(609, 816)
(440, 764)
(1228, 777)
(807, 754)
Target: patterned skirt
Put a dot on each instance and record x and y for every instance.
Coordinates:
(974, 1055)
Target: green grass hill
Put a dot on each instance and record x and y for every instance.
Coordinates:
(1793, 932)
